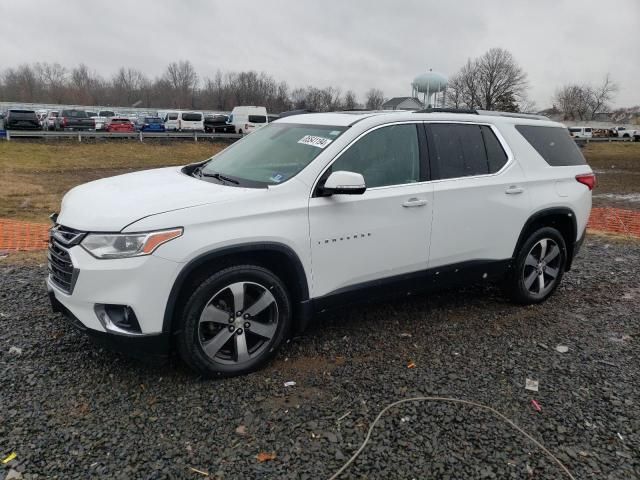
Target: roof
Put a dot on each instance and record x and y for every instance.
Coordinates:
(394, 102)
(347, 119)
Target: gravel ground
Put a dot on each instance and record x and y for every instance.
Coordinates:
(70, 410)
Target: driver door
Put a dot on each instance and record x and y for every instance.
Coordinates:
(359, 239)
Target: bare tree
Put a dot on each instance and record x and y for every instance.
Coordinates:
(374, 99)
(350, 102)
(182, 79)
(584, 102)
(493, 81)
(602, 95)
(127, 85)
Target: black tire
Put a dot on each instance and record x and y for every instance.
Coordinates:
(528, 265)
(224, 335)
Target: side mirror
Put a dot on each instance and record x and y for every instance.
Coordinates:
(344, 183)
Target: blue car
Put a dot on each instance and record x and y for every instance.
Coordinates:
(152, 124)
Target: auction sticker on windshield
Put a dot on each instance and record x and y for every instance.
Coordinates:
(314, 141)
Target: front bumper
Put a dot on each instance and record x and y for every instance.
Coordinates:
(141, 283)
(139, 346)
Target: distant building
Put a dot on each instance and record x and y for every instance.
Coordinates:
(403, 103)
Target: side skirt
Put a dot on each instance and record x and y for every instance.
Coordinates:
(457, 274)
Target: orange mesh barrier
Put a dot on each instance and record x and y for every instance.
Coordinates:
(25, 236)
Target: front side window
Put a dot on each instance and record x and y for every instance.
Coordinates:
(272, 154)
(386, 156)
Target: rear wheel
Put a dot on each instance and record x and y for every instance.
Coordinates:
(234, 321)
(539, 266)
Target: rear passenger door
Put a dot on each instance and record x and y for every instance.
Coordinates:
(480, 203)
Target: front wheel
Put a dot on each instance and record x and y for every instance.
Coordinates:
(539, 266)
(234, 322)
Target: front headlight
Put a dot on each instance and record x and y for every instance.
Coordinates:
(124, 245)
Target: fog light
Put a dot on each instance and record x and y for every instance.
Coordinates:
(118, 319)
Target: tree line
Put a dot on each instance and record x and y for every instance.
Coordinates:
(492, 81)
(179, 86)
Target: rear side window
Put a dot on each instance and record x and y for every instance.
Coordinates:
(172, 116)
(459, 151)
(496, 156)
(257, 119)
(554, 144)
(191, 117)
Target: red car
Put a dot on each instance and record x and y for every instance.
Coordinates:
(120, 125)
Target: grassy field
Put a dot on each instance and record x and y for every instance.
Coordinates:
(34, 176)
(617, 166)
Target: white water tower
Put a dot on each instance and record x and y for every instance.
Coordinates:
(433, 86)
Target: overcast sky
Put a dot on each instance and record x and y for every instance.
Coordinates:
(346, 43)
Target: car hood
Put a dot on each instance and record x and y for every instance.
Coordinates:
(110, 204)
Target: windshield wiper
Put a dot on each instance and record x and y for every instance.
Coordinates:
(219, 176)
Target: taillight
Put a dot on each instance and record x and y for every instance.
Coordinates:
(588, 179)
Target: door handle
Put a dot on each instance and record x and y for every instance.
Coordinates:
(513, 190)
(415, 202)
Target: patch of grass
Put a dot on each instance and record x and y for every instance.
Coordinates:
(617, 166)
(34, 176)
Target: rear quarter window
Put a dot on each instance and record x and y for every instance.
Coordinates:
(554, 144)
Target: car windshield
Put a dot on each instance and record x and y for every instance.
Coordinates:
(273, 154)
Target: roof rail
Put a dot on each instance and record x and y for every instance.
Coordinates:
(530, 116)
(447, 110)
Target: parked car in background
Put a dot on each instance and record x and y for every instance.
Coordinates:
(190, 121)
(623, 132)
(41, 114)
(246, 119)
(102, 118)
(171, 121)
(581, 132)
(120, 124)
(152, 124)
(74, 120)
(49, 123)
(217, 123)
(226, 258)
(21, 120)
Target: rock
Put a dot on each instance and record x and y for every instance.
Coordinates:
(15, 351)
(13, 475)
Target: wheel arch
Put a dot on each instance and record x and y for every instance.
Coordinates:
(561, 218)
(278, 258)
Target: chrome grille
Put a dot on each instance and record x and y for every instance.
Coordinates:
(61, 270)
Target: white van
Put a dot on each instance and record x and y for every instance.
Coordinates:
(184, 121)
(581, 132)
(248, 119)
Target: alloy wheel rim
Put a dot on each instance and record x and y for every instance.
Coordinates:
(542, 267)
(238, 323)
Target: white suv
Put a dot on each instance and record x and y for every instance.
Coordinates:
(225, 258)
